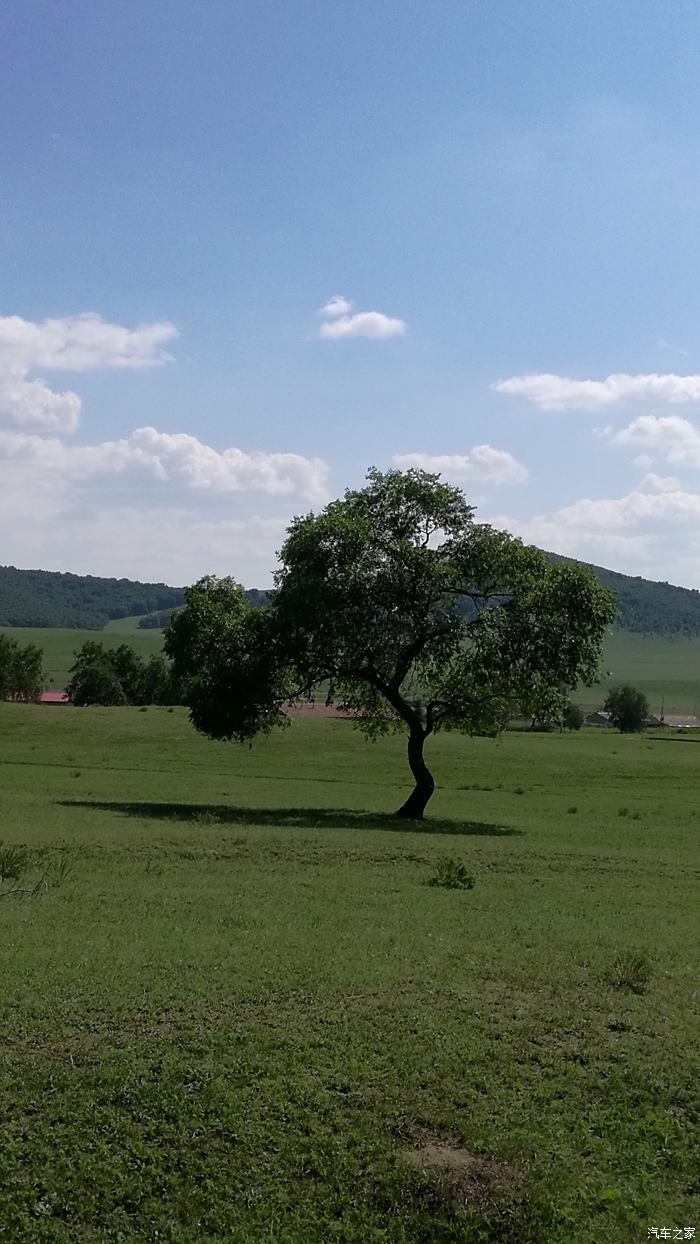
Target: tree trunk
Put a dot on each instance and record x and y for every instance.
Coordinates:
(415, 805)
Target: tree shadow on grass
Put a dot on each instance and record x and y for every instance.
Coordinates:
(205, 815)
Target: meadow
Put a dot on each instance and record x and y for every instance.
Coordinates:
(666, 669)
(61, 644)
(243, 1011)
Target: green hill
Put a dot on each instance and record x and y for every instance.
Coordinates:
(648, 607)
(47, 598)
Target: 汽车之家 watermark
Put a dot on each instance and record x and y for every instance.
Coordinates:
(671, 1233)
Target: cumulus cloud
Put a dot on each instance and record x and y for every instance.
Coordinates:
(337, 305)
(32, 404)
(174, 458)
(82, 343)
(482, 464)
(154, 504)
(653, 530)
(551, 392)
(670, 437)
(339, 321)
(72, 343)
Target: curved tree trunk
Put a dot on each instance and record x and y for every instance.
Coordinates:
(415, 805)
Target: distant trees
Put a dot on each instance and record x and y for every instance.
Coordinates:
(21, 670)
(116, 676)
(572, 717)
(628, 708)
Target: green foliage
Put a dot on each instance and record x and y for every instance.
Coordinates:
(26, 872)
(630, 969)
(226, 656)
(452, 874)
(119, 676)
(628, 708)
(369, 601)
(47, 598)
(572, 717)
(21, 670)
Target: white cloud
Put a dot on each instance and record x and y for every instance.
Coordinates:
(173, 458)
(82, 343)
(158, 505)
(665, 436)
(337, 305)
(338, 322)
(72, 343)
(551, 392)
(152, 505)
(653, 530)
(482, 464)
(32, 404)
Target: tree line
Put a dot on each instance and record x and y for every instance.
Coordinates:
(119, 676)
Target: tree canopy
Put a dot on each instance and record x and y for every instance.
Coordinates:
(114, 676)
(22, 675)
(628, 708)
(370, 601)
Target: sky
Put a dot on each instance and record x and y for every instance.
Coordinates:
(250, 249)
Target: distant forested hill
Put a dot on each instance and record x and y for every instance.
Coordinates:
(648, 607)
(47, 598)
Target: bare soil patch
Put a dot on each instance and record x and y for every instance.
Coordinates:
(472, 1179)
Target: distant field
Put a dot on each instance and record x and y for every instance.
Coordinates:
(246, 1015)
(126, 626)
(60, 645)
(666, 670)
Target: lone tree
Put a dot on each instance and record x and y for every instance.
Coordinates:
(22, 675)
(628, 708)
(416, 617)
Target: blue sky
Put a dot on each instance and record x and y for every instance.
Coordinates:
(498, 206)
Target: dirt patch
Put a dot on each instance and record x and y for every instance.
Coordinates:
(317, 708)
(471, 1178)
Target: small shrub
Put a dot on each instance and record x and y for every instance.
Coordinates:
(205, 818)
(452, 874)
(14, 862)
(623, 811)
(630, 969)
(572, 809)
(618, 1025)
(519, 790)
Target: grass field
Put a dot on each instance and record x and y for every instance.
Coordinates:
(667, 670)
(246, 1015)
(60, 645)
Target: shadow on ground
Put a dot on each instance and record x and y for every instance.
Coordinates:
(207, 814)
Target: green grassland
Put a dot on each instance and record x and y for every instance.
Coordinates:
(246, 1015)
(60, 645)
(666, 669)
